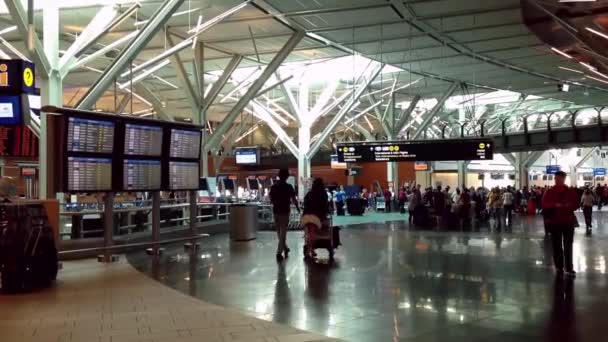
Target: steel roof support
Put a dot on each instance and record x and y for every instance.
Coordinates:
(141, 89)
(156, 22)
(405, 115)
(366, 134)
(362, 87)
(185, 82)
(431, 114)
(266, 116)
(586, 157)
(120, 106)
(255, 88)
(19, 16)
(292, 104)
(95, 30)
(216, 88)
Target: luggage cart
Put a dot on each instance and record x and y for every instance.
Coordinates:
(294, 219)
(328, 237)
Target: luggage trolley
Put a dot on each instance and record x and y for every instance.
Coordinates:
(326, 237)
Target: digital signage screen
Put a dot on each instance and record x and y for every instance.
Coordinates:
(440, 150)
(141, 174)
(89, 174)
(10, 110)
(90, 135)
(185, 144)
(247, 155)
(18, 141)
(183, 175)
(143, 140)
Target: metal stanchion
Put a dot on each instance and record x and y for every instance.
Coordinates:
(193, 212)
(108, 227)
(155, 250)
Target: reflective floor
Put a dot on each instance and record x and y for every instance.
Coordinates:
(391, 282)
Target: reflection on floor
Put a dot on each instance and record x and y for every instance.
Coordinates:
(393, 283)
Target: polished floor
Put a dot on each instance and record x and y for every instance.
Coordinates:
(391, 282)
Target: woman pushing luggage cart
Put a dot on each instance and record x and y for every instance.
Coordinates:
(317, 223)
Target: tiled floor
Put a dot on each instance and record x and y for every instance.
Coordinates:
(93, 302)
(394, 283)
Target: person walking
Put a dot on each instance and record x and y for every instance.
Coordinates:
(507, 204)
(282, 195)
(495, 205)
(587, 204)
(314, 206)
(559, 204)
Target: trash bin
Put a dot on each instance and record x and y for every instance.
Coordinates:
(243, 222)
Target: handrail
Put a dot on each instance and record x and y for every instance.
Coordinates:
(135, 244)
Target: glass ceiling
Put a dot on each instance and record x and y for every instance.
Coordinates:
(41, 4)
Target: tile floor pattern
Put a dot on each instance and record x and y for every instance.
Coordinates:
(395, 283)
(94, 302)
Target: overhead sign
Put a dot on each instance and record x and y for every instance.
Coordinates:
(421, 166)
(552, 169)
(16, 76)
(599, 171)
(335, 164)
(429, 150)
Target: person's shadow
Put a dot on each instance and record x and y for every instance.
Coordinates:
(562, 322)
(282, 296)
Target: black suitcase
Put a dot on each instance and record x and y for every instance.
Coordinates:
(28, 255)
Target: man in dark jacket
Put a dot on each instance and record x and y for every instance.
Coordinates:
(559, 204)
(282, 195)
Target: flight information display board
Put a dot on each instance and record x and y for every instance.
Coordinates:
(18, 141)
(88, 135)
(247, 155)
(89, 174)
(387, 151)
(141, 174)
(183, 175)
(143, 140)
(185, 143)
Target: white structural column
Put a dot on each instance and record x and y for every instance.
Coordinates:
(462, 173)
(51, 87)
(521, 171)
(303, 161)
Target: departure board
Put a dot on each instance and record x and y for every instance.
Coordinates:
(18, 141)
(183, 175)
(185, 143)
(89, 174)
(438, 150)
(88, 135)
(143, 140)
(141, 174)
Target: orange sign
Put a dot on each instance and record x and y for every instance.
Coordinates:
(3, 75)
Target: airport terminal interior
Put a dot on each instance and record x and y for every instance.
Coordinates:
(303, 170)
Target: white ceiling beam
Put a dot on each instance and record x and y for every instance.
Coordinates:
(433, 112)
(184, 80)
(360, 89)
(95, 30)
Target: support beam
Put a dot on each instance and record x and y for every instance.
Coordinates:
(266, 116)
(158, 20)
(254, 89)
(431, 114)
(184, 80)
(366, 134)
(216, 88)
(586, 157)
(361, 88)
(120, 106)
(292, 104)
(405, 115)
(95, 30)
(19, 16)
(146, 93)
(532, 158)
(509, 157)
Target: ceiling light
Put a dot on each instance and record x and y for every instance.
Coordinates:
(139, 97)
(7, 30)
(573, 70)
(561, 53)
(603, 35)
(596, 79)
(369, 123)
(599, 73)
(588, 66)
(164, 54)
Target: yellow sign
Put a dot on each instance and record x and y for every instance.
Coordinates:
(28, 77)
(3, 75)
(345, 149)
(482, 145)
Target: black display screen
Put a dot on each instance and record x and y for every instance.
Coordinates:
(141, 174)
(89, 174)
(185, 144)
(387, 151)
(183, 175)
(143, 140)
(247, 155)
(88, 135)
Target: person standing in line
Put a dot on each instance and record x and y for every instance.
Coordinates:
(495, 205)
(559, 204)
(507, 203)
(282, 195)
(587, 204)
